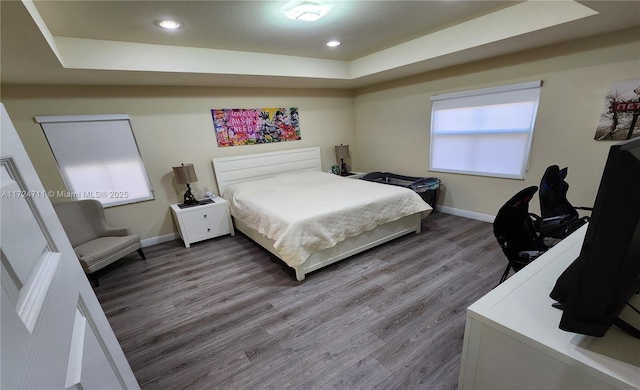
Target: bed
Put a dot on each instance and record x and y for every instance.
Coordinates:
(309, 218)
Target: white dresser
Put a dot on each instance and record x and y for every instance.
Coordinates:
(512, 339)
(197, 223)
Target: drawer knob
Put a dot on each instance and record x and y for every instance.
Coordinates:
(205, 215)
(208, 229)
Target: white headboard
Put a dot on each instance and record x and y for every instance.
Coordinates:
(237, 169)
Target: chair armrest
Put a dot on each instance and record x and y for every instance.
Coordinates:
(118, 232)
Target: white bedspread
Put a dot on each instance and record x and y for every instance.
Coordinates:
(309, 211)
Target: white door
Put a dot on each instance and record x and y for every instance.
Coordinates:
(54, 334)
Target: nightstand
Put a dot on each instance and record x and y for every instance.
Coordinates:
(356, 175)
(201, 222)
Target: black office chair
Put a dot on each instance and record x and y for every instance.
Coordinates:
(517, 232)
(553, 194)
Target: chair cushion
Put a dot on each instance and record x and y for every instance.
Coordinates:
(104, 248)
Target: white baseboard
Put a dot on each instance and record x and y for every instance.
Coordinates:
(159, 239)
(466, 214)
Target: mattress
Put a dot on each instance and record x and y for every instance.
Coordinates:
(309, 211)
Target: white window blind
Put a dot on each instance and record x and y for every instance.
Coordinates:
(484, 132)
(98, 157)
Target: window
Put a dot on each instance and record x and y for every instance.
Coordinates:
(484, 132)
(98, 157)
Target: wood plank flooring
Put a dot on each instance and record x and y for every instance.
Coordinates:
(224, 314)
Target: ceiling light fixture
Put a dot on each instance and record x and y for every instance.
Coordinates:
(307, 11)
(169, 24)
(333, 43)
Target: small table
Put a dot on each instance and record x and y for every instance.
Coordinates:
(202, 222)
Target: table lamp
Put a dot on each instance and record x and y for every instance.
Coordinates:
(186, 174)
(342, 152)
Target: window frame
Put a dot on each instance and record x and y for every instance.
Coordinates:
(111, 201)
(537, 85)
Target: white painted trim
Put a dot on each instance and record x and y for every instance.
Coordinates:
(36, 288)
(466, 214)
(81, 118)
(517, 20)
(82, 53)
(74, 365)
(42, 26)
(159, 239)
(486, 91)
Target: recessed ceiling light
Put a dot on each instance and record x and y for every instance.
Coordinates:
(307, 11)
(169, 24)
(333, 43)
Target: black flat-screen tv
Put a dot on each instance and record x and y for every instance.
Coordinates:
(594, 289)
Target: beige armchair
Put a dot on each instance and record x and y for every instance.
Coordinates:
(95, 244)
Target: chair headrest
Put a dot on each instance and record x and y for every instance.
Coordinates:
(554, 175)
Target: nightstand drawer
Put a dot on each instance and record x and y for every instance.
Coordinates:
(203, 221)
(208, 229)
(203, 215)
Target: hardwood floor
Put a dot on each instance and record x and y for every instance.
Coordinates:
(224, 315)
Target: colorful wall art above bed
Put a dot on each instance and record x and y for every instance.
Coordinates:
(250, 126)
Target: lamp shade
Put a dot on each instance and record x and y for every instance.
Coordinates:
(342, 152)
(185, 174)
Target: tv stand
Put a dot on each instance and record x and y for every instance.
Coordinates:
(512, 339)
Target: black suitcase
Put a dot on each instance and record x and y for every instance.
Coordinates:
(426, 187)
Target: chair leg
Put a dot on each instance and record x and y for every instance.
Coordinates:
(141, 253)
(504, 275)
(93, 280)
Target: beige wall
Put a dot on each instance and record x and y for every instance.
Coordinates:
(174, 125)
(386, 125)
(393, 120)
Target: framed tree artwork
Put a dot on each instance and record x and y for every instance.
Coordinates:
(619, 118)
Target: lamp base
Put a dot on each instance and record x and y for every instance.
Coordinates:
(344, 170)
(188, 196)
